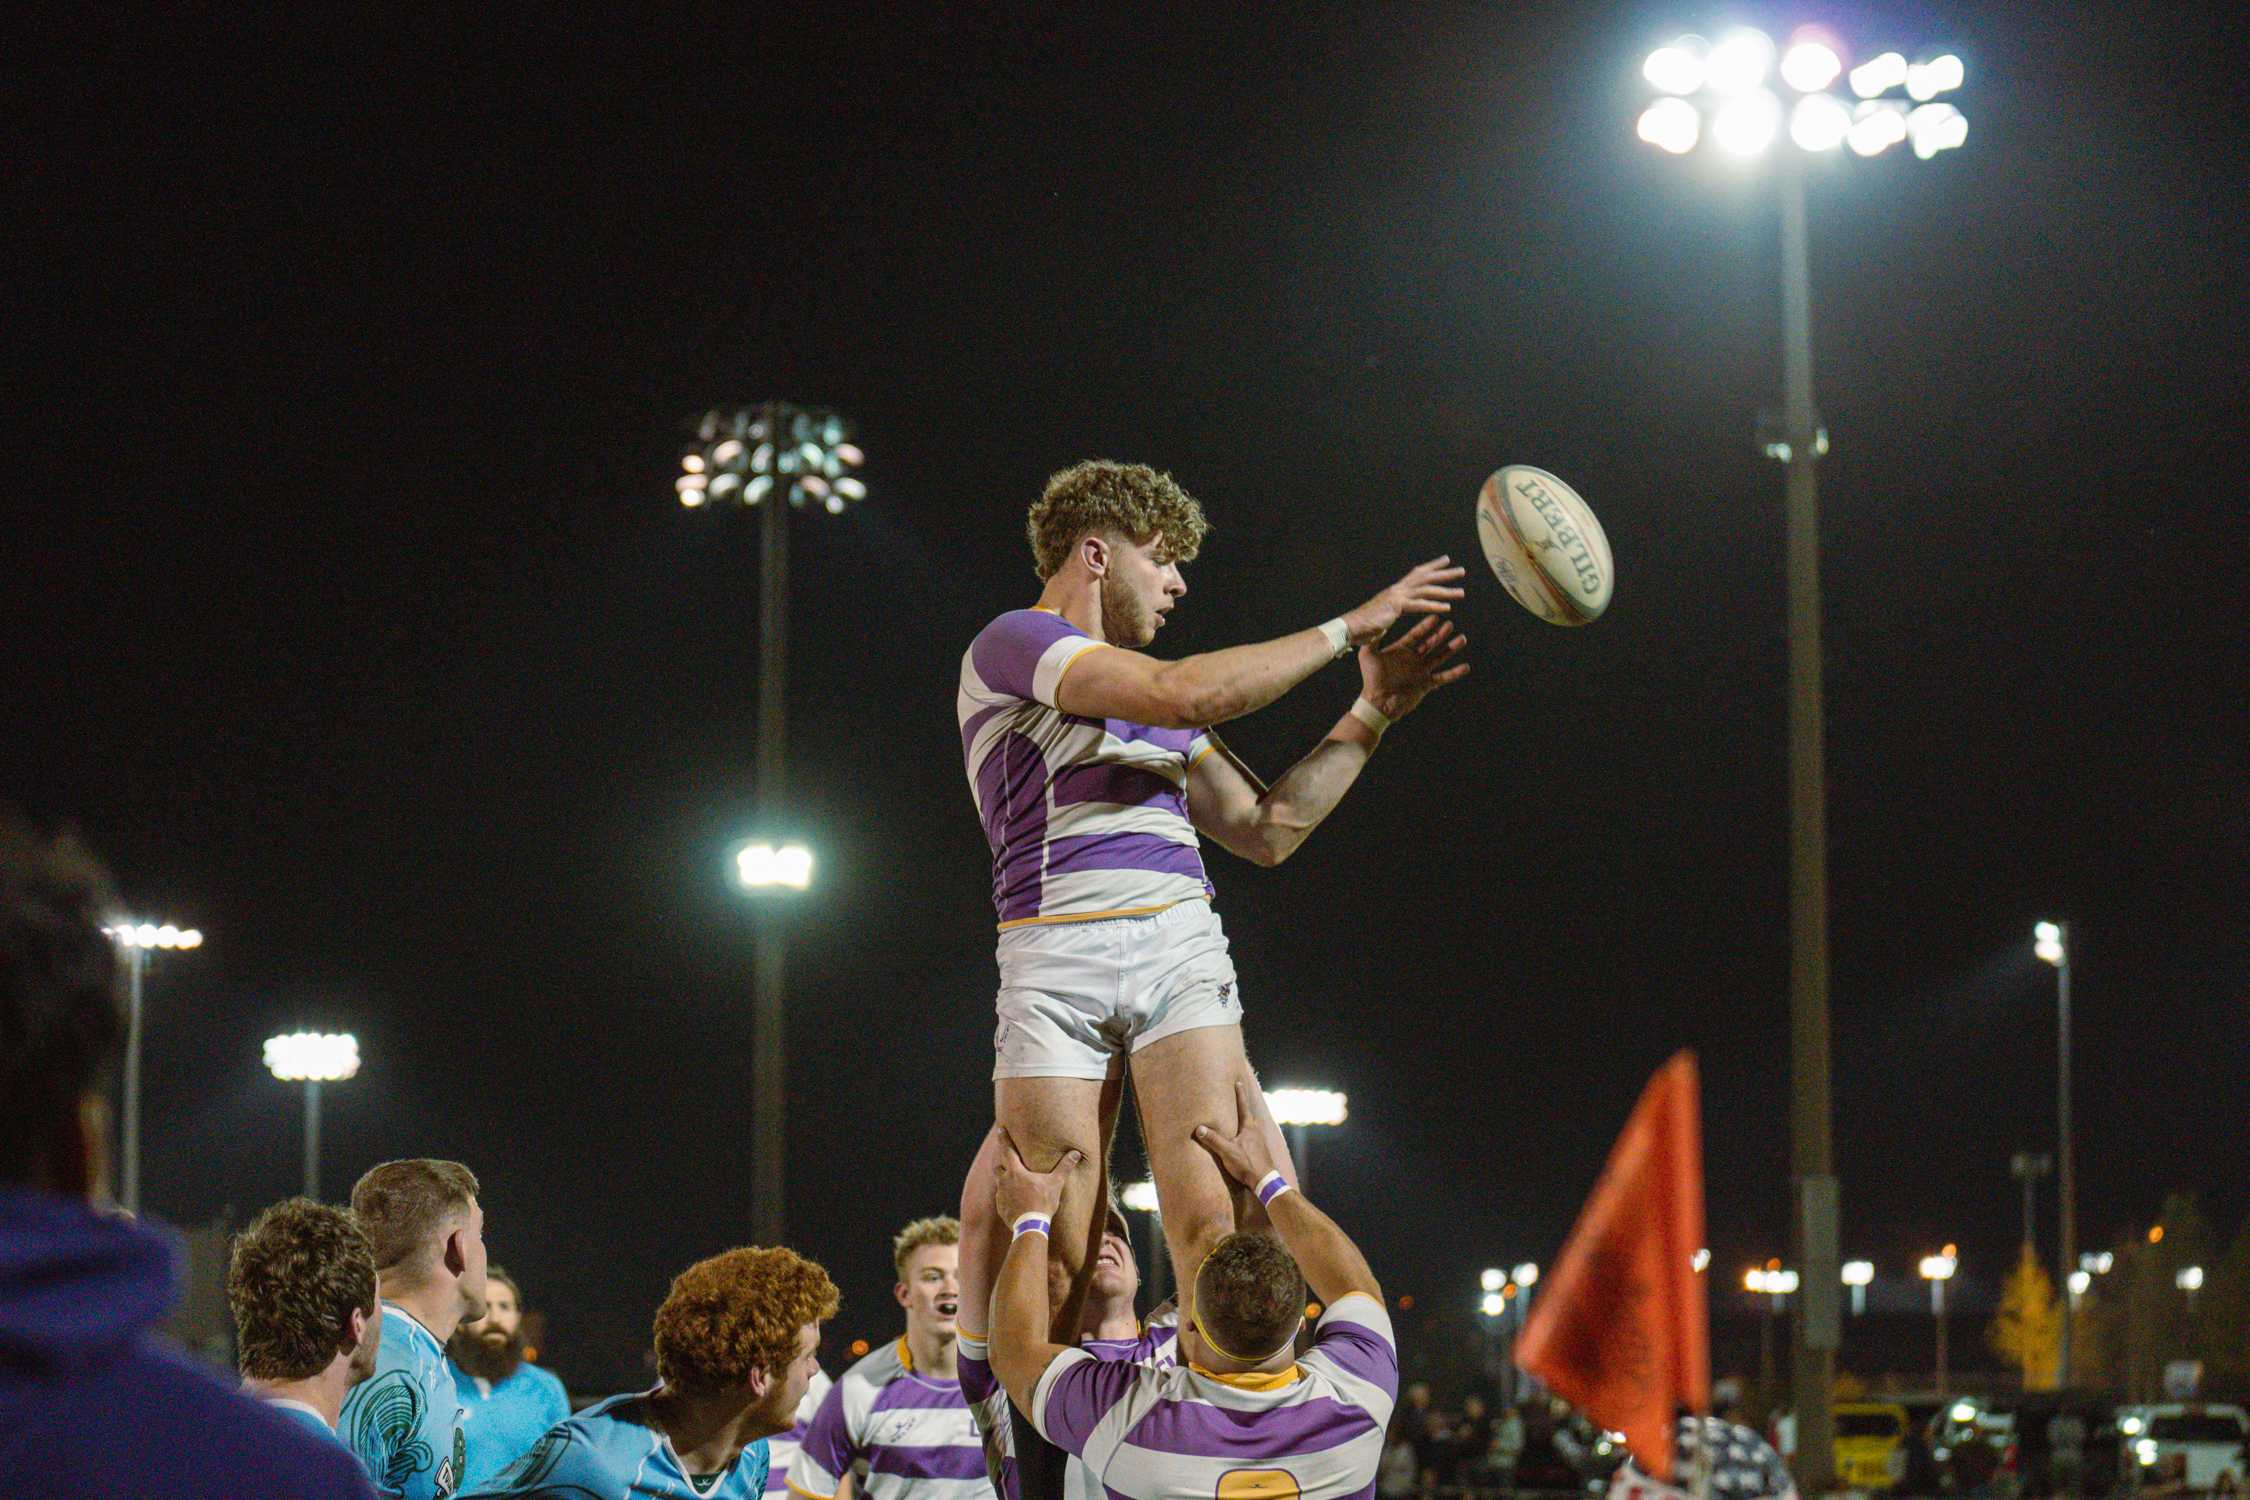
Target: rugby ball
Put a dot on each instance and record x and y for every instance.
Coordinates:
(1544, 545)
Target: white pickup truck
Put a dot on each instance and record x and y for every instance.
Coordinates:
(2202, 1441)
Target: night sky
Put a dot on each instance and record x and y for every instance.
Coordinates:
(351, 615)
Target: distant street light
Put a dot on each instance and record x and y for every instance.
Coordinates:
(1774, 1284)
(312, 1058)
(1938, 1270)
(1857, 1275)
(784, 457)
(1492, 1279)
(138, 939)
(1731, 83)
(2189, 1279)
(2051, 942)
(1300, 1109)
(2080, 1283)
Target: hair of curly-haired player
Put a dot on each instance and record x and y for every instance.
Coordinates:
(1132, 500)
(737, 1312)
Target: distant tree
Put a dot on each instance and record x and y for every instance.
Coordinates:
(2027, 1330)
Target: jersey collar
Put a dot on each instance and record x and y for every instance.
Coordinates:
(1253, 1380)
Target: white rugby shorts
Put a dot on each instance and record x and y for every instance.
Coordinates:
(1077, 996)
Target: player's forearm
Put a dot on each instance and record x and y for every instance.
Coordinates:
(1308, 791)
(1332, 1264)
(1217, 686)
(1019, 1344)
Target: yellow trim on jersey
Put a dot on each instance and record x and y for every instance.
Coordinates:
(905, 1354)
(1064, 670)
(1252, 1380)
(1197, 759)
(796, 1489)
(1096, 916)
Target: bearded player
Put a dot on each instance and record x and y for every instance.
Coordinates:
(1095, 767)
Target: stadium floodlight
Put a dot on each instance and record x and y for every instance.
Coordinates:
(1879, 75)
(1493, 1305)
(1306, 1106)
(1492, 1278)
(1737, 109)
(775, 457)
(1858, 1272)
(1526, 1273)
(1672, 125)
(1678, 66)
(1747, 124)
(2188, 1278)
(1877, 125)
(1934, 128)
(1140, 1196)
(1940, 75)
(138, 940)
(1701, 1260)
(1810, 65)
(1940, 1267)
(1739, 62)
(1819, 122)
(312, 1058)
(764, 866)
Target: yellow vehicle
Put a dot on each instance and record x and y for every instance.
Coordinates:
(1869, 1444)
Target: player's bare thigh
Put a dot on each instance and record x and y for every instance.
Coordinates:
(1182, 1081)
(1045, 1117)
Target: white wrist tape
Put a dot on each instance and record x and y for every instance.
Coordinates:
(1339, 636)
(1373, 717)
(1031, 1223)
(1272, 1186)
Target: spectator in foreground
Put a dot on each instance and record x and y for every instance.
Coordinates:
(87, 1395)
(506, 1400)
(301, 1285)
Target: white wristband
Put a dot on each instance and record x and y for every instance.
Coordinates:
(1339, 636)
(1034, 1222)
(1373, 717)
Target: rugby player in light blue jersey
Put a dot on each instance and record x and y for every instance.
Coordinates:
(301, 1285)
(1242, 1416)
(426, 1227)
(1096, 769)
(507, 1401)
(902, 1409)
(737, 1343)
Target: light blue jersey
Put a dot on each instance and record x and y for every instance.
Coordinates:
(610, 1452)
(404, 1421)
(499, 1423)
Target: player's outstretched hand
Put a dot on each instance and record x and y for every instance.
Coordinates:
(1245, 1156)
(1400, 675)
(1017, 1190)
(1427, 590)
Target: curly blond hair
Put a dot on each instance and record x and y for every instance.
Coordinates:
(1100, 494)
(737, 1312)
(942, 1229)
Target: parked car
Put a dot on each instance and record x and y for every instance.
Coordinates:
(2204, 1440)
(1870, 1439)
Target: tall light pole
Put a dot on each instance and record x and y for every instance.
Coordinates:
(1858, 1274)
(1299, 1109)
(312, 1058)
(138, 939)
(778, 456)
(1938, 1270)
(1727, 82)
(2051, 941)
(2027, 1167)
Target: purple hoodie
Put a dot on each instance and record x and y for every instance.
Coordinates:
(91, 1403)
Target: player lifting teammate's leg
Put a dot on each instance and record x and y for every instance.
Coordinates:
(1094, 768)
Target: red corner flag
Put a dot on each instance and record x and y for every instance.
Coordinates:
(1619, 1329)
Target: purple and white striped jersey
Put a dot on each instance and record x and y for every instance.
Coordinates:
(781, 1449)
(1158, 1343)
(1087, 818)
(1313, 1432)
(916, 1433)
